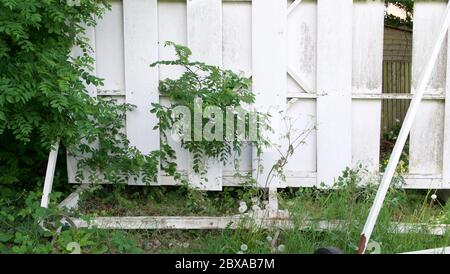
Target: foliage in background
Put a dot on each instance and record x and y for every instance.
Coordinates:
(387, 145)
(407, 6)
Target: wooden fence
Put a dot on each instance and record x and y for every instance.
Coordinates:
(396, 80)
(324, 57)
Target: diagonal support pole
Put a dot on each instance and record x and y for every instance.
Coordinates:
(49, 175)
(403, 135)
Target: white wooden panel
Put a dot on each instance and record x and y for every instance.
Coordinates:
(76, 52)
(303, 117)
(141, 81)
(204, 30)
(446, 146)
(368, 28)
(237, 37)
(109, 44)
(269, 66)
(172, 27)
(237, 56)
(302, 36)
(426, 138)
(334, 79)
(204, 37)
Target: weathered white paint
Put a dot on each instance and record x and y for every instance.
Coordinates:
(237, 221)
(302, 115)
(49, 175)
(334, 79)
(269, 76)
(238, 50)
(109, 48)
(446, 144)
(426, 138)
(441, 250)
(92, 90)
(368, 28)
(71, 201)
(237, 37)
(204, 37)
(302, 35)
(404, 131)
(172, 18)
(141, 81)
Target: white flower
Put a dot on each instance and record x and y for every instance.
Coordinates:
(244, 247)
(256, 208)
(255, 200)
(240, 252)
(242, 203)
(433, 197)
(269, 239)
(243, 208)
(281, 248)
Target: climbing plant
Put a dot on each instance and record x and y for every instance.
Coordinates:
(200, 87)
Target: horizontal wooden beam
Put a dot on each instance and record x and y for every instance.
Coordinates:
(308, 179)
(355, 96)
(440, 250)
(372, 96)
(238, 221)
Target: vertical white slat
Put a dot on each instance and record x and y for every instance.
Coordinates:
(334, 85)
(237, 37)
(204, 37)
(302, 33)
(446, 145)
(269, 66)
(426, 137)
(368, 28)
(237, 56)
(109, 48)
(141, 81)
(172, 27)
(76, 51)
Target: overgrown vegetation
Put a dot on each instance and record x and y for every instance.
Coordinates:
(200, 89)
(388, 140)
(349, 202)
(43, 99)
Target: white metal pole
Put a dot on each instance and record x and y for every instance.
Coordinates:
(403, 135)
(49, 175)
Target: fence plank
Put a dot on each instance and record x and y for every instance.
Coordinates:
(368, 27)
(237, 56)
(204, 37)
(141, 81)
(446, 146)
(72, 160)
(110, 52)
(334, 79)
(426, 138)
(172, 17)
(301, 36)
(269, 74)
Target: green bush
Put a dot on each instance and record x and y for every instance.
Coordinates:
(42, 90)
